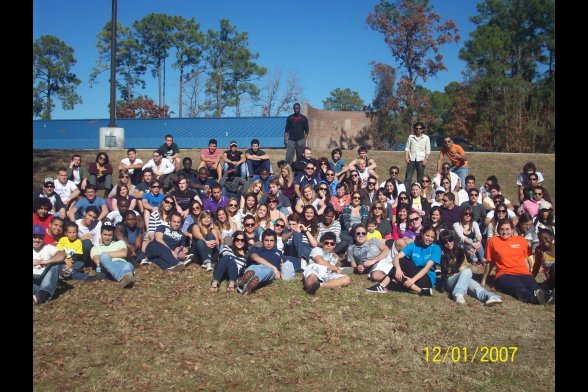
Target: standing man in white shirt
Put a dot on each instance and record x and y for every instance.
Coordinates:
(416, 153)
(162, 168)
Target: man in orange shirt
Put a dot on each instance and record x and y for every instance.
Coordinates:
(456, 154)
(511, 254)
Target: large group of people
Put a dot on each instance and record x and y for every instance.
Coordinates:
(241, 217)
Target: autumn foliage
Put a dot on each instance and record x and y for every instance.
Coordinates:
(142, 107)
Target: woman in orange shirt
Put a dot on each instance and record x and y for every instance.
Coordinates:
(510, 253)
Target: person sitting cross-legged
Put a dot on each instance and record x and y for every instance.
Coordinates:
(111, 255)
(264, 264)
(47, 262)
(322, 270)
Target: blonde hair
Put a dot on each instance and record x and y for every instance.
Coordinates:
(289, 177)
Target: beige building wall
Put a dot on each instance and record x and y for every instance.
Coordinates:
(330, 129)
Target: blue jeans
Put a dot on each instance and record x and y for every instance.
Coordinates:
(295, 146)
(303, 249)
(115, 268)
(47, 281)
(462, 172)
(462, 282)
(203, 252)
(522, 287)
(255, 167)
(240, 170)
(160, 254)
(410, 168)
(264, 273)
(478, 256)
(226, 266)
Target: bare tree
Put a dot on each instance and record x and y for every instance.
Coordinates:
(193, 89)
(277, 96)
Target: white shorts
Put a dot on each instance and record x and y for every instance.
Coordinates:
(385, 265)
(323, 273)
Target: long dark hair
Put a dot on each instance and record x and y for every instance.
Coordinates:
(245, 246)
(419, 239)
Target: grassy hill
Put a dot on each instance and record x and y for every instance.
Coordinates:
(170, 333)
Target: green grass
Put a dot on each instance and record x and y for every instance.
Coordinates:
(170, 333)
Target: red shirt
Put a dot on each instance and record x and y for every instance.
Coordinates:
(206, 155)
(45, 223)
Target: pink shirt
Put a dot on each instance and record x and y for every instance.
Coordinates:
(531, 207)
(205, 156)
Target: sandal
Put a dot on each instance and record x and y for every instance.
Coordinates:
(213, 286)
(231, 287)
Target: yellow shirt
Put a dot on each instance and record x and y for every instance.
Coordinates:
(374, 234)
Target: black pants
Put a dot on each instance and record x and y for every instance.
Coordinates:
(411, 270)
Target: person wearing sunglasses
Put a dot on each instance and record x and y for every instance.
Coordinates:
(457, 276)
(363, 254)
(457, 157)
(283, 203)
(124, 177)
(232, 186)
(531, 206)
(101, 173)
(168, 250)
(470, 237)
(499, 213)
(161, 216)
(416, 153)
(48, 192)
(233, 259)
(367, 167)
(414, 266)
(476, 206)
(510, 255)
(152, 199)
(353, 214)
(529, 176)
(394, 172)
(322, 270)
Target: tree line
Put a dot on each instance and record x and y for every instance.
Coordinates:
(505, 102)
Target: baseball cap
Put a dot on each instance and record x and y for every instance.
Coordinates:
(545, 205)
(233, 143)
(48, 180)
(38, 230)
(440, 189)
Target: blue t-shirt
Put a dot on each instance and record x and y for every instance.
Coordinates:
(420, 257)
(273, 256)
(84, 203)
(172, 238)
(337, 167)
(154, 201)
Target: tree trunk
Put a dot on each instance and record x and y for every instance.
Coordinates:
(47, 115)
(159, 83)
(163, 81)
(181, 83)
(219, 97)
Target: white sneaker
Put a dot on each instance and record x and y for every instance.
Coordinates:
(493, 300)
(145, 261)
(208, 266)
(459, 298)
(303, 263)
(189, 258)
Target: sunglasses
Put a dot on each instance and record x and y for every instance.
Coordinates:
(278, 225)
(360, 234)
(378, 208)
(124, 177)
(450, 239)
(414, 219)
(467, 214)
(356, 198)
(330, 174)
(329, 243)
(238, 239)
(394, 172)
(473, 194)
(154, 186)
(309, 168)
(168, 202)
(371, 183)
(323, 189)
(249, 224)
(502, 211)
(49, 186)
(232, 205)
(536, 194)
(355, 175)
(447, 141)
(425, 181)
(403, 198)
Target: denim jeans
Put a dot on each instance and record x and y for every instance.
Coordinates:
(303, 249)
(462, 172)
(240, 170)
(295, 146)
(420, 169)
(77, 270)
(264, 273)
(522, 287)
(478, 256)
(226, 266)
(115, 268)
(160, 254)
(203, 252)
(463, 282)
(255, 167)
(47, 281)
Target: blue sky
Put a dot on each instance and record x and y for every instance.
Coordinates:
(326, 42)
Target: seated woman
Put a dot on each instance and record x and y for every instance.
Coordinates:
(195, 210)
(223, 224)
(262, 219)
(250, 208)
(354, 181)
(414, 267)
(391, 191)
(456, 275)
(400, 224)
(287, 183)
(206, 238)
(232, 260)
(470, 237)
(255, 188)
(309, 199)
(327, 222)
(324, 195)
(161, 216)
(427, 190)
(101, 173)
(338, 164)
(419, 203)
(545, 259)
(368, 256)
(341, 199)
(500, 212)
(378, 215)
(274, 212)
(383, 200)
(525, 228)
(510, 254)
(353, 214)
(435, 220)
(545, 218)
(123, 192)
(305, 234)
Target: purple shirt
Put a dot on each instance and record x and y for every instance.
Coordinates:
(211, 205)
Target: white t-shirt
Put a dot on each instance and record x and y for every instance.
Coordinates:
(509, 213)
(521, 178)
(453, 178)
(46, 252)
(127, 161)
(82, 229)
(318, 251)
(64, 191)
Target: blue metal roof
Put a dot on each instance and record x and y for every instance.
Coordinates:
(150, 132)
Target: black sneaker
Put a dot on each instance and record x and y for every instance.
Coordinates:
(377, 289)
(41, 297)
(94, 278)
(426, 292)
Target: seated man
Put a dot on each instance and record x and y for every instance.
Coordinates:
(162, 169)
(89, 199)
(265, 178)
(54, 232)
(231, 184)
(264, 264)
(202, 183)
(65, 188)
(89, 232)
(256, 159)
(171, 151)
(110, 255)
(370, 164)
(48, 192)
(300, 163)
(216, 199)
(47, 262)
(394, 171)
(132, 234)
(187, 172)
(133, 165)
(77, 173)
(234, 159)
(322, 270)
(211, 159)
(453, 178)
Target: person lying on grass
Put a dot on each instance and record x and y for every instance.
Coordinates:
(264, 264)
(322, 270)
